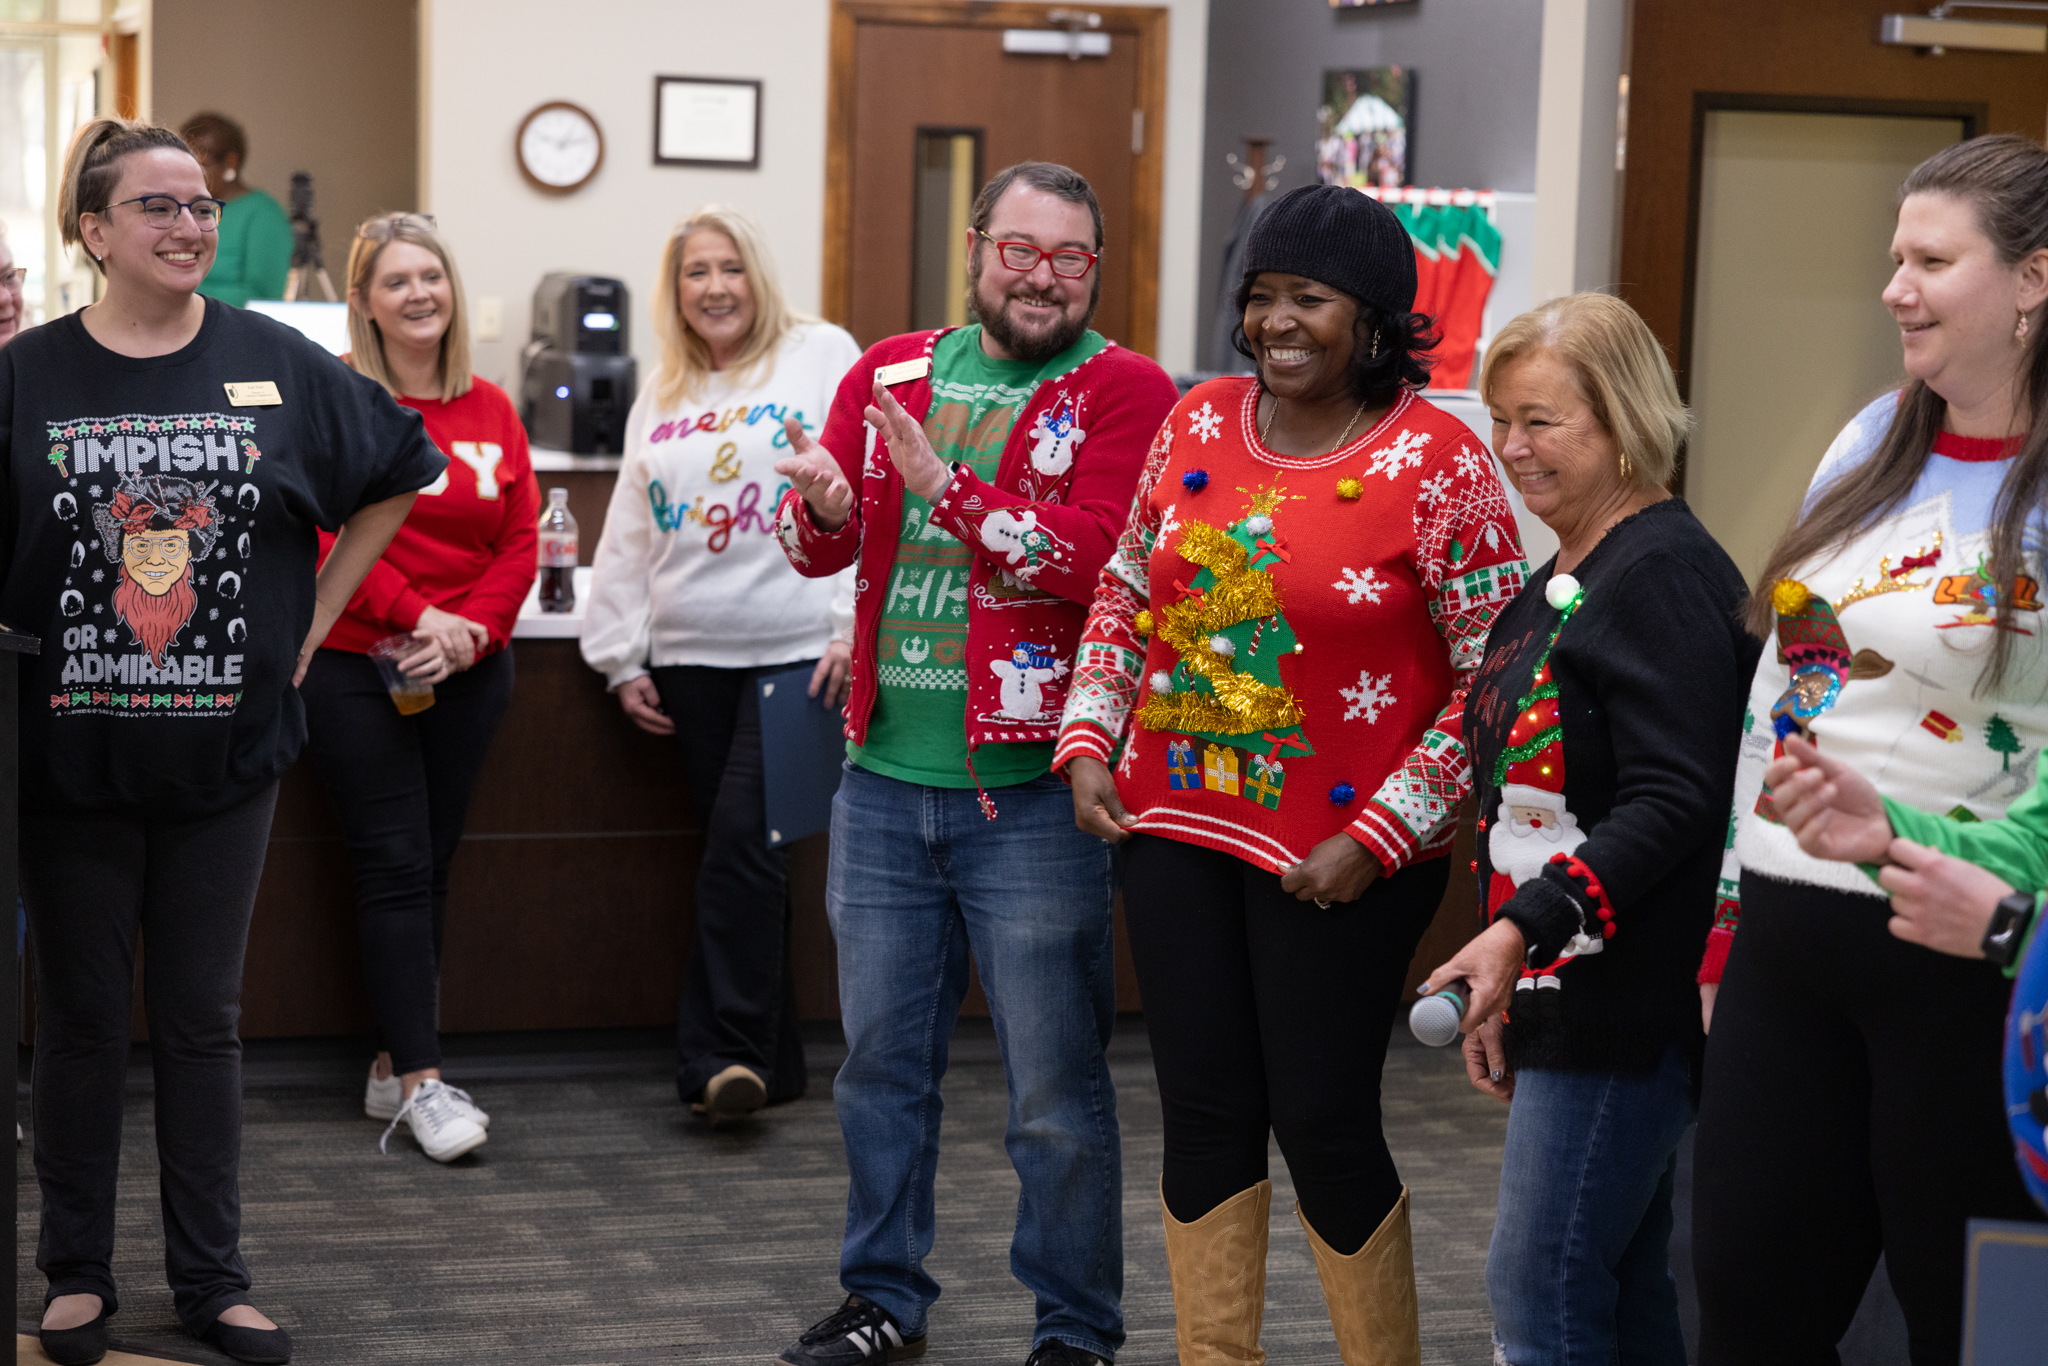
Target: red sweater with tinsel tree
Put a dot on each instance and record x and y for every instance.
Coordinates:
(1280, 646)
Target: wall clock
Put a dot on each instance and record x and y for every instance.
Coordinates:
(560, 147)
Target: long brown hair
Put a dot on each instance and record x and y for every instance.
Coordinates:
(2005, 179)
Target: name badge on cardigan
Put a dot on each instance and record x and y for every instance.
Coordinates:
(255, 393)
(903, 370)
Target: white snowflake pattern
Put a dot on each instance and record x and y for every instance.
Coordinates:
(94, 491)
(1130, 755)
(213, 614)
(1168, 524)
(1357, 584)
(97, 608)
(1471, 464)
(199, 642)
(1205, 422)
(99, 576)
(1404, 454)
(1372, 696)
(1437, 486)
(202, 580)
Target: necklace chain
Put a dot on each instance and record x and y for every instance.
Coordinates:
(1341, 436)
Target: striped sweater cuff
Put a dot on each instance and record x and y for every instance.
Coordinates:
(1386, 836)
(1079, 742)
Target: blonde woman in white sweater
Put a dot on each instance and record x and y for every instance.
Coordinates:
(693, 598)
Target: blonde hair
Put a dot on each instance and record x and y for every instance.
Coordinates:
(685, 363)
(1621, 371)
(92, 168)
(366, 340)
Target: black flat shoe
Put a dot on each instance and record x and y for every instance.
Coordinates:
(80, 1346)
(261, 1346)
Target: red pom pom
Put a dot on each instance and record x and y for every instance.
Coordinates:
(1607, 930)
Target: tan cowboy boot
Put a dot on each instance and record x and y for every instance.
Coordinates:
(1371, 1293)
(1218, 1267)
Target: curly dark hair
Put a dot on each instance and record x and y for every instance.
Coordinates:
(1379, 373)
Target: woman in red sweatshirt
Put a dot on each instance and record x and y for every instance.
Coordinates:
(452, 580)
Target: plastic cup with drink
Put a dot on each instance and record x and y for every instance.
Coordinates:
(408, 694)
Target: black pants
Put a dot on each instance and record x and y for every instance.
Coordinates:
(738, 1002)
(1852, 1105)
(1268, 1013)
(401, 787)
(90, 882)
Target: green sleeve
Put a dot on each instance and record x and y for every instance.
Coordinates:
(267, 257)
(2015, 847)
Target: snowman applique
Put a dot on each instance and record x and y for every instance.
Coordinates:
(1024, 676)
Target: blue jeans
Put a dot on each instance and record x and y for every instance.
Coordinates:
(1578, 1273)
(917, 878)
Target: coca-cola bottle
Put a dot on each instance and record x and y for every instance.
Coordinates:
(557, 554)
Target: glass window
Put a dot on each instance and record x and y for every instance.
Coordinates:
(948, 175)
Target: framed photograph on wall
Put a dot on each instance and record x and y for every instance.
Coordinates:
(707, 121)
(1364, 122)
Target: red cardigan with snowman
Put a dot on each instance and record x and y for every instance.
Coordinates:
(1040, 529)
(1280, 645)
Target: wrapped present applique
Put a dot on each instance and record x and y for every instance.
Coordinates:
(1182, 772)
(1220, 770)
(1262, 781)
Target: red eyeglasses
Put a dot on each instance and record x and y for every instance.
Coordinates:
(1067, 263)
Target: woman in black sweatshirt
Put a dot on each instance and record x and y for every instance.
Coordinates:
(1602, 730)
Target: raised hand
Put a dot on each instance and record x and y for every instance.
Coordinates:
(924, 474)
(1831, 809)
(818, 479)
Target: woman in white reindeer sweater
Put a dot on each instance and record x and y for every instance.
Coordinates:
(693, 598)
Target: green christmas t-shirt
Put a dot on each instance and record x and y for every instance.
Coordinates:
(918, 729)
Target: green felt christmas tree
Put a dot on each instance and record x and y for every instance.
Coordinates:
(1998, 734)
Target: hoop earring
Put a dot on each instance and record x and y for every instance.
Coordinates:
(1375, 345)
(2019, 334)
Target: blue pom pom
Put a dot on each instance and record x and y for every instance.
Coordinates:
(1194, 481)
(1342, 793)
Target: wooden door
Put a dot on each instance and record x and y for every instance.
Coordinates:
(905, 73)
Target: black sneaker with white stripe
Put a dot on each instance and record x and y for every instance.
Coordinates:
(1053, 1352)
(857, 1333)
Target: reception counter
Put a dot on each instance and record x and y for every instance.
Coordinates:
(572, 897)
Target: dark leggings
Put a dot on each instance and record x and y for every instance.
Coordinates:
(1268, 1013)
(738, 1002)
(401, 787)
(1852, 1105)
(91, 881)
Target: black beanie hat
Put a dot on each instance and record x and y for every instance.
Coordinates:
(1340, 238)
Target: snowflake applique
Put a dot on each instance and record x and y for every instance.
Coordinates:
(220, 554)
(1405, 453)
(1360, 584)
(94, 491)
(1372, 696)
(1471, 463)
(1130, 755)
(1436, 486)
(96, 607)
(1168, 524)
(199, 642)
(99, 576)
(1205, 422)
(202, 580)
(213, 614)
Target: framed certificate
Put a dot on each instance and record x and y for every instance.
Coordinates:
(707, 121)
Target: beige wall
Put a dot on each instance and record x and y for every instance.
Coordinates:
(330, 89)
(1790, 338)
(490, 61)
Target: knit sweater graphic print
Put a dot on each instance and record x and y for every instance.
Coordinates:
(1279, 647)
(1912, 605)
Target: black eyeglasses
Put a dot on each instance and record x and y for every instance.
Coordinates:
(1067, 263)
(161, 211)
(382, 229)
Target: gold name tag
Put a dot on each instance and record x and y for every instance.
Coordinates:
(256, 393)
(903, 370)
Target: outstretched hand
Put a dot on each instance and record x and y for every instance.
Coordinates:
(924, 474)
(1833, 811)
(818, 479)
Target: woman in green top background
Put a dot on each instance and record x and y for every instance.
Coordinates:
(255, 233)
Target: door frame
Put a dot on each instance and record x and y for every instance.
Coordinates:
(1147, 25)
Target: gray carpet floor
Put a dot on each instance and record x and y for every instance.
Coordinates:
(602, 1223)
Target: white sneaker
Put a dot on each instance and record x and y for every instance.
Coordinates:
(443, 1129)
(382, 1098)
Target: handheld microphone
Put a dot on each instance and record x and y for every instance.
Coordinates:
(1434, 1019)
